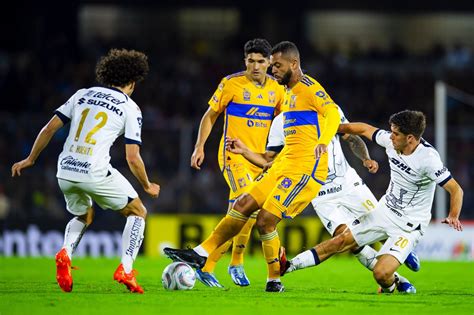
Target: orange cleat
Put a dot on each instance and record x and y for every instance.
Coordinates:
(63, 271)
(128, 279)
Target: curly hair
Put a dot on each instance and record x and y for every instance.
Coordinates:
(409, 122)
(121, 67)
(258, 46)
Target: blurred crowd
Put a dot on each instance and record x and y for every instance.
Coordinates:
(369, 85)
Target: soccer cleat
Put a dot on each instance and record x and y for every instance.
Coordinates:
(128, 279)
(208, 279)
(237, 273)
(63, 270)
(404, 286)
(284, 263)
(188, 256)
(413, 262)
(274, 286)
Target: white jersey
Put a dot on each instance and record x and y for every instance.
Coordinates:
(341, 175)
(98, 116)
(413, 180)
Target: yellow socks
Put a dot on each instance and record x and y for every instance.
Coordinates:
(229, 226)
(241, 240)
(215, 256)
(271, 251)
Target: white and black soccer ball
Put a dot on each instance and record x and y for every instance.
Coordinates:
(178, 276)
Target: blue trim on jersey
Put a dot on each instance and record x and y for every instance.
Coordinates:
(301, 118)
(250, 111)
(276, 149)
(131, 141)
(375, 135)
(445, 181)
(63, 117)
(115, 89)
(425, 143)
(237, 74)
(314, 170)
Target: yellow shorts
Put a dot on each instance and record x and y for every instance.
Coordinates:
(284, 191)
(240, 176)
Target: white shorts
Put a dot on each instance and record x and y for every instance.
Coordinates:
(112, 192)
(377, 225)
(344, 207)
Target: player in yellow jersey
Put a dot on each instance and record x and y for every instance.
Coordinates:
(249, 100)
(311, 120)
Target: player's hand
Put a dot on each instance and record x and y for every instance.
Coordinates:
(235, 145)
(320, 150)
(153, 190)
(197, 158)
(371, 165)
(453, 222)
(267, 166)
(17, 167)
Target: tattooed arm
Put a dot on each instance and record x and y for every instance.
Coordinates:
(359, 149)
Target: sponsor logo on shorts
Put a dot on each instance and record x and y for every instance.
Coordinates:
(355, 222)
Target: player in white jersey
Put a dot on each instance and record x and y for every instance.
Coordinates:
(403, 213)
(98, 116)
(344, 197)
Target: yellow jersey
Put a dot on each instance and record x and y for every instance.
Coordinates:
(248, 112)
(304, 121)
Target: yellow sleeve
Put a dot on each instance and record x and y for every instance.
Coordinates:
(221, 97)
(333, 119)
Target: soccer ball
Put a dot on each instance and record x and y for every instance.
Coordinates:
(178, 276)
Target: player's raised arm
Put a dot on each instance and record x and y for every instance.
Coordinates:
(136, 165)
(359, 148)
(207, 122)
(455, 204)
(42, 140)
(361, 129)
(238, 147)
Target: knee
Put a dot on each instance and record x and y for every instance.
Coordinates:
(381, 274)
(244, 204)
(338, 242)
(87, 218)
(136, 208)
(264, 226)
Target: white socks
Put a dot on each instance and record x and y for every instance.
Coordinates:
(132, 238)
(201, 251)
(73, 234)
(303, 260)
(367, 257)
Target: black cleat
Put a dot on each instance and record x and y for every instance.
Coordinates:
(274, 286)
(284, 263)
(188, 256)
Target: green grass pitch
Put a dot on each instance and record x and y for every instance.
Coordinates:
(338, 286)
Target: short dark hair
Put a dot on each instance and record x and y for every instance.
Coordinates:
(121, 67)
(286, 48)
(409, 122)
(258, 46)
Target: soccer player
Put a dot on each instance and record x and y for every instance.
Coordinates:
(311, 121)
(404, 212)
(344, 196)
(249, 101)
(98, 115)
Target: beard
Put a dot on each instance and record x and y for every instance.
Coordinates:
(286, 77)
